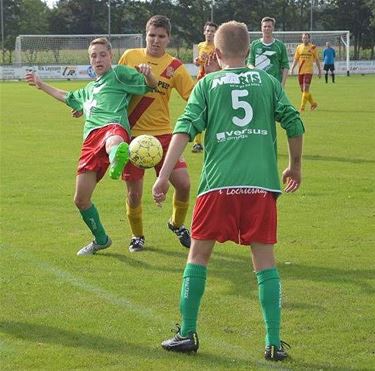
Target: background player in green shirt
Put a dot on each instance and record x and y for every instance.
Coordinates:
(106, 131)
(239, 184)
(269, 54)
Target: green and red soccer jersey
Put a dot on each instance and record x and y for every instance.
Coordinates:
(271, 58)
(237, 109)
(105, 100)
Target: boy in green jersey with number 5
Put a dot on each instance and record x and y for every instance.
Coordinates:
(106, 131)
(237, 107)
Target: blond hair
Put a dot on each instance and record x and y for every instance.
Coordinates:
(232, 39)
(101, 41)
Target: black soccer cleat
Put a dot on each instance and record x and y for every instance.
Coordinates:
(137, 244)
(274, 353)
(182, 233)
(182, 344)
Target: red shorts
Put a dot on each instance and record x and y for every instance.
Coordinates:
(93, 156)
(304, 79)
(241, 215)
(132, 172)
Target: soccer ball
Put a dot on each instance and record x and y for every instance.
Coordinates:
(145, 151)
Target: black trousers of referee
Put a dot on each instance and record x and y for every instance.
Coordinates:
(329, 67)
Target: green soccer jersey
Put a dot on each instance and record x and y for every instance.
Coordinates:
(271, 58)
(238, 108)
(105, 100)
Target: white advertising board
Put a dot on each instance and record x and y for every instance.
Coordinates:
(85, 72)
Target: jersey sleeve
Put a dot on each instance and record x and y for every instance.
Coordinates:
(285, 113)
(284, 58)
(251, 58)
(184, 84)
(75, 99)
(134, 82)
(194, 118)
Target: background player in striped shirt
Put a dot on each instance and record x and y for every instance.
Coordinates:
(150, 115)
(205, 50)
(306, 54)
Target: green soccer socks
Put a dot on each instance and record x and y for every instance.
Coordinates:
(91, 217)
(193, 284)
(270, 300)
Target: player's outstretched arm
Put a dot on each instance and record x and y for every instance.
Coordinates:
(145, 70)
(175, 150)
(34, 80)
(292, 174)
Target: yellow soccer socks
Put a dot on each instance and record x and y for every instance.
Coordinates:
(135, 219)
(179, 212)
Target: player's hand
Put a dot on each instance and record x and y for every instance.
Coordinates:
(144, 69)
(33, 79)
(212, 64)
(76, 114)
(159, 190)
(291, 179)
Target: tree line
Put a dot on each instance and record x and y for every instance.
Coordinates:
(187, 17)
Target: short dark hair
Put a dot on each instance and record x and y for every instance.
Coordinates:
(159, 21)
(210, 24)
(268, 19)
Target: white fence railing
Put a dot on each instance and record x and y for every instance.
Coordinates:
(85, 72)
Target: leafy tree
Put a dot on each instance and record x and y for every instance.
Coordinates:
(79, 17)
(355, 15)
(22, 17)
(188, 17)
(33, 16)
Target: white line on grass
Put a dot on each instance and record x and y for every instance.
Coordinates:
(123, 302)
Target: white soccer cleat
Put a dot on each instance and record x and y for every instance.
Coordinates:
(93, 247)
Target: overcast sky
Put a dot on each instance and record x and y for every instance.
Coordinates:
(50, 3)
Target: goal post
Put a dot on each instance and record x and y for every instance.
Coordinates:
(67, 49)
(339, 40)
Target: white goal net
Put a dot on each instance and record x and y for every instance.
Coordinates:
(67, 49)
(339, 40)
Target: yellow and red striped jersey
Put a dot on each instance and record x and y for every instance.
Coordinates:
(149, 114)
(306, 55)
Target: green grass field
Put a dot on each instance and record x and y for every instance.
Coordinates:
(112, 310)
